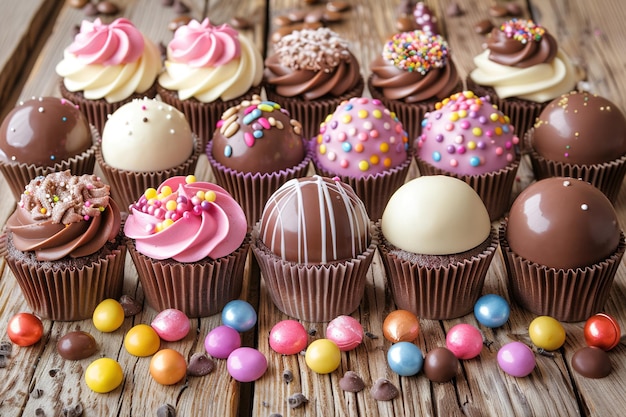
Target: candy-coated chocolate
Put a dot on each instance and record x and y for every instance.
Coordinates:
(546, 333)
(405, 358)
(246, 364)
(171, 325)
(323, 356)
(440, 365)
(108, 315)
(491, 310)
(288, 337)
(104, 375)
(76, 345)
(516, 359)
(345, 331)
(401, 326)
(602, 331)
(465, 341)
(221, 341)
(168, 367)
(142, 340)
(25, 329)
(239, 315)
(591, 362)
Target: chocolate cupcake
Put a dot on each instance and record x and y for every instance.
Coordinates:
(256, 148)
(63, 246)
(106, 66)
(580, 135)
(310, 72)
(365, 145)
(522, 69)
(314, 247)
(437, 253)
(209, 69)
(562, 245)
(45, 135)
(189, 244)
(413, 72)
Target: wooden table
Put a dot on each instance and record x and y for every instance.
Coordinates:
(37, 381)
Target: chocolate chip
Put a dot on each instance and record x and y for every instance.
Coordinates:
(332, 17)
(371, 335)
(483, 27)
(351, 382)
(281, 21)
(310, 1)
(130, 305)
(406, 7)
(498, 11)
(39, 412)
(167, 3)
(313, 17)
(454, 10)
(53, 372)
(337, 6)
(36, 393)
(166, 410)
(384, 390)
(180, 7)
(296, 15)
(90, 9)
(514, 9)
(107, 8)
(75, 30)
(3, 361)
(297, 400)
(200, 364)
(287, 376)
(6, 348)
(73, 410)
(276, 415)
(312, 331)
(77, 4)
(239, 22)
(177, 22)
(405, 24)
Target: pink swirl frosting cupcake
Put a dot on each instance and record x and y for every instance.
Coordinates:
(203, 45)
(186, 221)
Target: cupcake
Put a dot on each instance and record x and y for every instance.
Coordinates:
(107, 66)
(45, 135)
(580, 135)
(522, 69)
(469, 138)
(310, 72)
(365, 145)
(207, 70)
(436, 244)
(413, 72)
(143, 143)
(314, 247)
(63, 246)
(189, 245)
(256, 148)
(562, 246)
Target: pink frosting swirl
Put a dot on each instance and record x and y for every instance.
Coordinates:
(117, 43)
(186, 221)
(202, 45)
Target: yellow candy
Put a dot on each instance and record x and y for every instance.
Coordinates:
(189, 179)
(142, 340)
(104, 375)
(322, 356)
(150, 193)
(200, 194)
(547, 333)
(171, 205)
(210, 196)
(108, 315)
(377, 114)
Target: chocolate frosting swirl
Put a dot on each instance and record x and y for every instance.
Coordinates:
(521, 48)
(63, 215)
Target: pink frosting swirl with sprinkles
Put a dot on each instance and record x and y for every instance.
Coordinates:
(416, 51)
(467, 135)
(201, 45)
(186, 221)
(117, 43)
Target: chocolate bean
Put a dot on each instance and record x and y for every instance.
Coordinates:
(310, 1)
(337, 6)
(107, 8)
(281, 21)
(498, 11)
(313, 17)
(177, 22)
(76, 345)
(405, 24)
(239, 22)
(332, 17)
(296, 15)
(77, 4)
(483, 27)
(514, 9)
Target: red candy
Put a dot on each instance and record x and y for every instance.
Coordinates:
(288, 337)
(25, 329)
(602, 331)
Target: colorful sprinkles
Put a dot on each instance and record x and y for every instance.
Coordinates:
(416, 51)
(522, 30)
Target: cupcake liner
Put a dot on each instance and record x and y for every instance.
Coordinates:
(410, 114)
(310, 113)
(607, 176)
(313, 293)
(97, 111)
(128, 186)
(18, 175)
(437, 292)
(374, 190)
(568, 295)
(522, 113)
(67, 290)
(199, 289)
(494, 188)
(203, 117)
(252, 190)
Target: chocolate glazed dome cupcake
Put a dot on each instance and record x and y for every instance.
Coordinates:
(562, 245)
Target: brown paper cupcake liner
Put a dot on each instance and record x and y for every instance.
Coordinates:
(607, 176)
(568, 295)
(522, 113)
(203, 117)
(199, 289)
(494, 188)
(441, 292)
(374, 190)
(410, 114)
(64, 290)
(18, 175)
(310, 113)
(128, 186)
(313, 293)
(252, 190)
(97, 111)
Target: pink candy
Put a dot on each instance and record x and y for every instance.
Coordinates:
(222, 341)
(171, 325)
(288, 337)
(465, 341)
(346, 332)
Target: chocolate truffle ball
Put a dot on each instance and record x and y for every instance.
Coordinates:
(315, 220)
(43, 131)
(440, 365)
(563, 223)
(580, 128)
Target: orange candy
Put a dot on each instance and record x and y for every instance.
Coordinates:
(168, 367)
